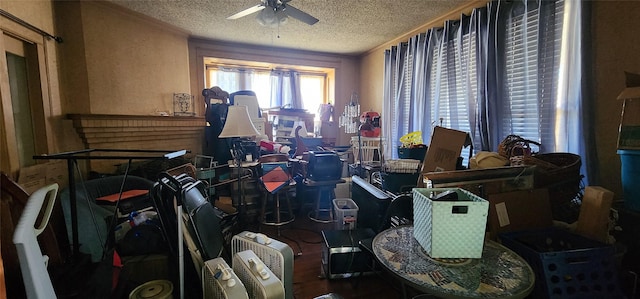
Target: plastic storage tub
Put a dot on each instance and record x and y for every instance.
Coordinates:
(567, 265)
(346, 212)
(630, 173)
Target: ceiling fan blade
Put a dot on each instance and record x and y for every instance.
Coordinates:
(300, 15)
(247, 12)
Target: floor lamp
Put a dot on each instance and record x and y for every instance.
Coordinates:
(237, 125)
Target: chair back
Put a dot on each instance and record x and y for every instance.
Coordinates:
(246, 98)
(273, 158)
(204, 223)
(399, 212)
(32, 263)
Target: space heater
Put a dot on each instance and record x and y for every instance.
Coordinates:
(220, 282)
(257, 278)
(277, 255)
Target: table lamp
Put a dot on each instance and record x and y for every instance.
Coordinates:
(238, 125)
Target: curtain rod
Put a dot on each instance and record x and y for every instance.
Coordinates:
(25, 24)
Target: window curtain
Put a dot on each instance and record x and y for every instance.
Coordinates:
(587, 100)
(434, 81)
(512, 67)
(525, 67)
(395, 101)
(234, 79)
(570, 128)
(285, 89)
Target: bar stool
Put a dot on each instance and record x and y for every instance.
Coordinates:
(277, 208)
(325, 194)
(277, 181)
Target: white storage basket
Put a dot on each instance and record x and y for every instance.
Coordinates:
(449, 229)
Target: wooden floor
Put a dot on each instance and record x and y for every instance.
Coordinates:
(305, 238)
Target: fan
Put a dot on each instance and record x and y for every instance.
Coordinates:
(276, 255)
(220, 282)
(257, 278)
(272, 10)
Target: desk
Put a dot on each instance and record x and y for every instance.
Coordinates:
(500, 273)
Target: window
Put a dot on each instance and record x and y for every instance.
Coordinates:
(532, 49)
(492, 74)
(275, 86)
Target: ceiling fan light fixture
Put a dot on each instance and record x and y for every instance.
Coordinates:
(274, 13)
(282, 17)
(267, 17)
(272, 17)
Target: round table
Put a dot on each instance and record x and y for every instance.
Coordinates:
(500, 273)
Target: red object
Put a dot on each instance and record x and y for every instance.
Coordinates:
(369, 114)
(370, 133)
(125, 195)
(117, 267)
(267, 145)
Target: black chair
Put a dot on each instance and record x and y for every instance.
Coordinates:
(399, 212)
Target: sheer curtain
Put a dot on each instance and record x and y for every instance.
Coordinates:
(234, 79)
(571, 135)
(285, 89)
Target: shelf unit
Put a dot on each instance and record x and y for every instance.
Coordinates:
(285, 120)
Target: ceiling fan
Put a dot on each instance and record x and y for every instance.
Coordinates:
(278, 10)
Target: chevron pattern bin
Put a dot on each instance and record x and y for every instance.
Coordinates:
(449, 229)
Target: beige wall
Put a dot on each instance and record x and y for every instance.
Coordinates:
(38, 12)
(616, 45)
(118, 62)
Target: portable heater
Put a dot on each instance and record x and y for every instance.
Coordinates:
(259, 281)
(220, 282)
(277, 255)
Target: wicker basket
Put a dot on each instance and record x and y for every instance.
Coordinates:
(560, 174)
(505, 148)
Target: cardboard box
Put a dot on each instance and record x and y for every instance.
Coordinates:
(444, 150)
(32, 178)
(447, 228)
(519, 211)
(593, 221)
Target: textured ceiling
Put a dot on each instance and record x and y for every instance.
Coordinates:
(345, 26)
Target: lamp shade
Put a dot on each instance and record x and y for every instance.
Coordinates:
(238, 123)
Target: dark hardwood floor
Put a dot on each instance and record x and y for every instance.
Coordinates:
(305, 239)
